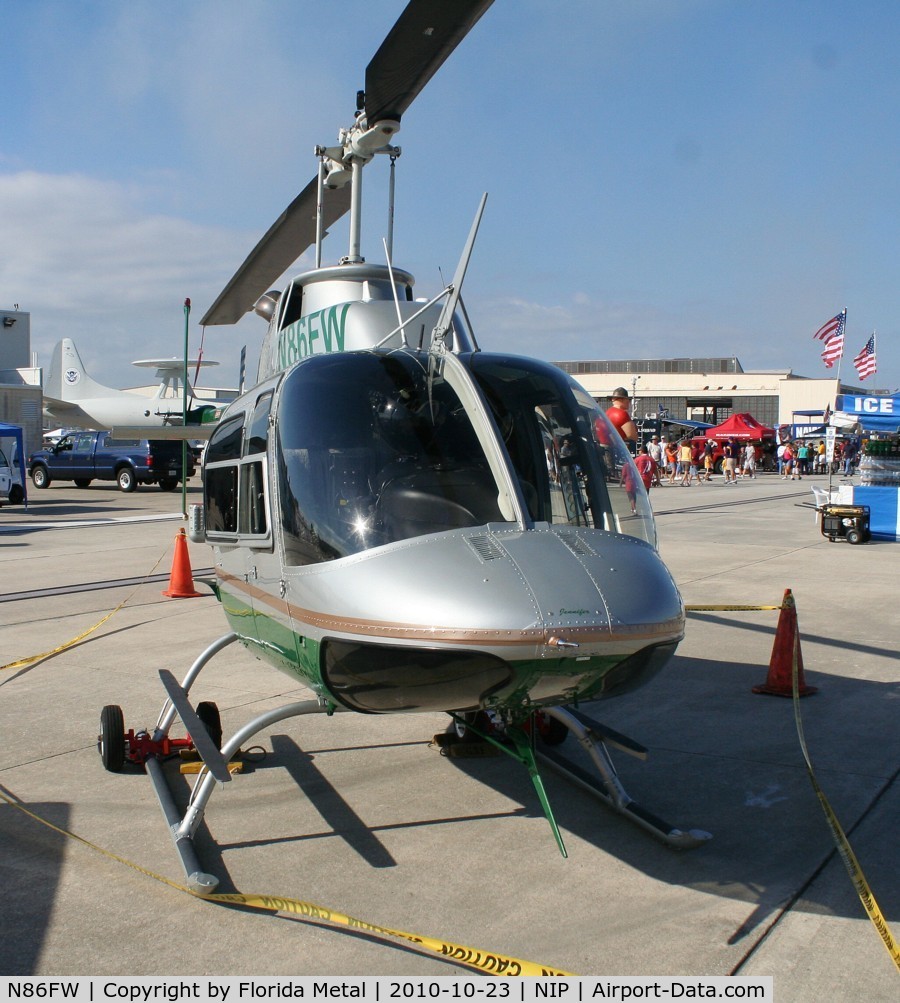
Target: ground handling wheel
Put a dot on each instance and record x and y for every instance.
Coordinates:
(209, 716)
(111, 740)
(118, 747)
(464, 729)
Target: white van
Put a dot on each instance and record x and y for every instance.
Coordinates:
(10, 486)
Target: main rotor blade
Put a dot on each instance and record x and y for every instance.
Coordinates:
(424, 36)
(286, 239)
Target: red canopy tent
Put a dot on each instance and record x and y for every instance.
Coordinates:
(740, 427)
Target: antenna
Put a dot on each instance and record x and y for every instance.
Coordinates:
(446, 317)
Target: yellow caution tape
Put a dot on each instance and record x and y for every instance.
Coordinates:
(843, 845)
(491, 963)
(32, 659)
(484, 961)
(488, 962)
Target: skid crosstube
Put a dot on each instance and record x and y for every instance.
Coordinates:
(520, 744)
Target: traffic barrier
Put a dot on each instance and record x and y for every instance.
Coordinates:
(780, 680)
(181, 581)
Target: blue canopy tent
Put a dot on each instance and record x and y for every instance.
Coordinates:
(874, 414)
(808, 428)
(17, 460)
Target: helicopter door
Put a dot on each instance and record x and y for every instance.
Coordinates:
(272, 622)
(238, 522)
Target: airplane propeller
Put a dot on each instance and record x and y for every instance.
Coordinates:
(425, 34)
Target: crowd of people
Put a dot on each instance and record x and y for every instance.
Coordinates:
(694, 461)
(795, 459)
(685, 462)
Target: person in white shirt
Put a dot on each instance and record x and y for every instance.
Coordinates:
(656, 453)
(779, 456)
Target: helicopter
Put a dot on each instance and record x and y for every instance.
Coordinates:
(381, 446)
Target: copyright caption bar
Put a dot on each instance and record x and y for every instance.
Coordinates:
(383, 989)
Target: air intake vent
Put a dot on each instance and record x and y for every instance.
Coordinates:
(485, 547)
(578, 547)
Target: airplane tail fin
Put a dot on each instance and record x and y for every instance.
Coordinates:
(67, 379)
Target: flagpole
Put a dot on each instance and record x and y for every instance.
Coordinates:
(841, 356)
(838, 378)
(184, 411)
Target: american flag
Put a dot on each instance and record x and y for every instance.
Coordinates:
(834, 348)
(865, 361)
(833, 326)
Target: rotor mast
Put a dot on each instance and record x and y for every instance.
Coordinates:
(343, 165)
(425, 34)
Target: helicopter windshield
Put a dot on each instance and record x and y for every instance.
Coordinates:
(376, 447)
(572, 464)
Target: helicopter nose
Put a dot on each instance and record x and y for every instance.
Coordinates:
(586, 584)
(611, 613)
(534, 617)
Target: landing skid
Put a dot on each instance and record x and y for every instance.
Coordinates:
(594, 738)
(183, 828)
(150, 750)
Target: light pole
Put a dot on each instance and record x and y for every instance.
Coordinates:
(184, 412)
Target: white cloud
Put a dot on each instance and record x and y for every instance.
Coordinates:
(587, 328)
(89, 262)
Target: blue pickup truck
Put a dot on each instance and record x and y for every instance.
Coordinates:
(86, 456)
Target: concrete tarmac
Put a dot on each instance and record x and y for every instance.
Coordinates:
(362, 815)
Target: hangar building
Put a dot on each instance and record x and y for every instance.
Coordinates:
(710, 389)
(21, 398)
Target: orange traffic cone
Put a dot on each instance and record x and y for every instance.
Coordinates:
(181, 582)
(780, 681)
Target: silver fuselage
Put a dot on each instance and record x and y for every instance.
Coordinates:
(413, 529)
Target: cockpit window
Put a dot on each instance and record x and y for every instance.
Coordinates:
(571, 463)
(373, 447)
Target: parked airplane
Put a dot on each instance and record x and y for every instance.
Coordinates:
(75, 400)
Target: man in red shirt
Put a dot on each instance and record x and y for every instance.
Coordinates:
(620, 415)
(646, 466)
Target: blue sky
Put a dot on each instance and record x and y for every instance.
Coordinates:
(664, 177)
